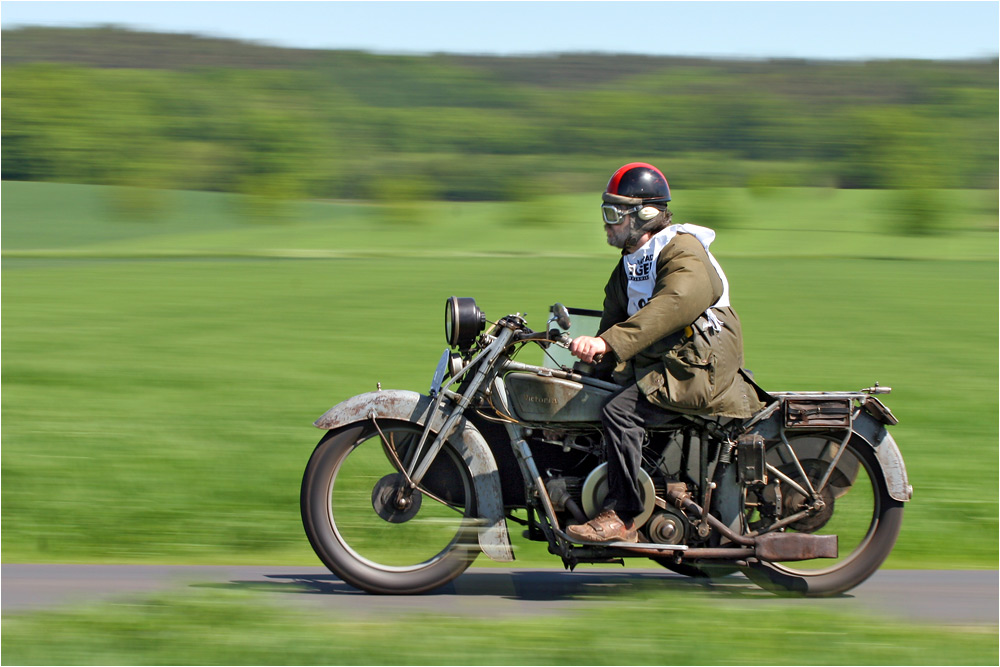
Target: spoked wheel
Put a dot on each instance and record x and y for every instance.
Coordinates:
(855, 506)
(370, 528)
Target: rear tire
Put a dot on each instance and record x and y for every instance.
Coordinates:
(865, 518)
(364, 543)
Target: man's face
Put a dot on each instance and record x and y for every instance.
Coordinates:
(618, 234)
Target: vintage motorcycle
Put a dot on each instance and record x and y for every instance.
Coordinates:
(405, 489)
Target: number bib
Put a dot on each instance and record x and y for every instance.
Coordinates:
(640, 266)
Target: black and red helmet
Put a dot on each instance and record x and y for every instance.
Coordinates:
(637, 183)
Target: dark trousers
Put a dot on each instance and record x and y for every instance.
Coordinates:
(625, 418)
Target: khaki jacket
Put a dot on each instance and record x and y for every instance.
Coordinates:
(667, 347)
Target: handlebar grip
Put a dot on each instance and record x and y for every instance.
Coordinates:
(564, 339)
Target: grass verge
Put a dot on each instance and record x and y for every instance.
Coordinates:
(649, 628)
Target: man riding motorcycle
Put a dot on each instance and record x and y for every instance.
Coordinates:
(676, 339)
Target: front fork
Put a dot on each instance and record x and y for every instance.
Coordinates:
(420, 461)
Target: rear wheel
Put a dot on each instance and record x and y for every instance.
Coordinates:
(856, 507)
(370, 528)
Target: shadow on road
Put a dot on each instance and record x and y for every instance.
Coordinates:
(517, 585)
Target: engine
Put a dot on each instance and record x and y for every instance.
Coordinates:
(571, 460)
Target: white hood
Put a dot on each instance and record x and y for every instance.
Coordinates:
(640, 266)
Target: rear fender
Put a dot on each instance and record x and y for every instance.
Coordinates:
(413, 407)
(887, 451)
(873, 432)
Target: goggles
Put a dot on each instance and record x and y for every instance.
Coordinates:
(613, 215)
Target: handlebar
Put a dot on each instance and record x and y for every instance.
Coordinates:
(560, 338)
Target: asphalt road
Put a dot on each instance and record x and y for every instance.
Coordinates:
(954, 597)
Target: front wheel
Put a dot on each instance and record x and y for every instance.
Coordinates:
(856, 507)
(373, 531)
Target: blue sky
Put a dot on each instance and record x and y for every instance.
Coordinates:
(828, 30)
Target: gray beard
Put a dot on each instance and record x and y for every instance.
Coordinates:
(620, 237)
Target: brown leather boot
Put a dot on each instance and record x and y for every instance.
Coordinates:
(605, 527)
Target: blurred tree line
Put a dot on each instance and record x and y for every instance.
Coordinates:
(113, 106)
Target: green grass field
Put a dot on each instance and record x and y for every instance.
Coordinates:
(663, 625)
(160, 376)
(164, 356)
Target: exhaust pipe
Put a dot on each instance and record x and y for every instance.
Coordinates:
(766, 547)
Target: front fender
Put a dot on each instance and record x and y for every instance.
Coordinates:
(417, 408)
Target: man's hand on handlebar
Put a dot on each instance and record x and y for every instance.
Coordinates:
(588, 349)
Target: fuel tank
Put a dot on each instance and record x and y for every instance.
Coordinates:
(537, 398)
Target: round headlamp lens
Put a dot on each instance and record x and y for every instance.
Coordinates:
(463, 321)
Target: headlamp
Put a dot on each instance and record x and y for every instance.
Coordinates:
(463, 321)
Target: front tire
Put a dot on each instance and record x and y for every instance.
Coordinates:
(865, 518)
(361, 537)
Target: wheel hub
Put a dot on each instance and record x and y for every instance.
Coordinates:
(821, 510)
(394, 500)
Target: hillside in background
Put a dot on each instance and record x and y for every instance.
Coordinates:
(117, 47)
(112, 46)
(117, 107)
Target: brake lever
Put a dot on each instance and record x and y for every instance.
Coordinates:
(560, 338)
